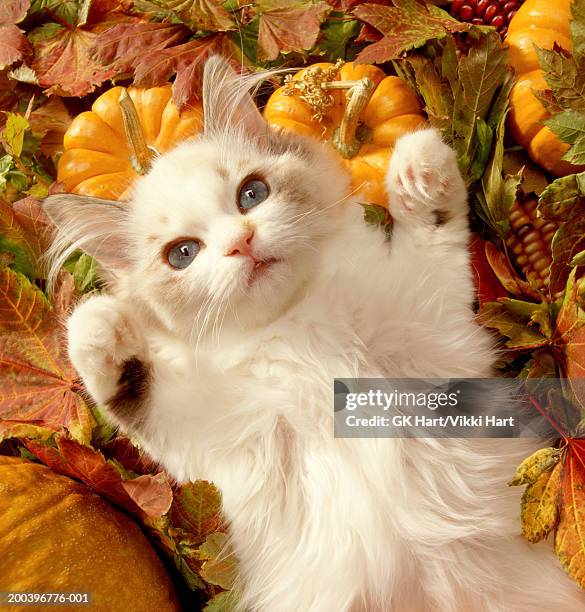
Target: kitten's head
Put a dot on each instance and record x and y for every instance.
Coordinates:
(230, 222)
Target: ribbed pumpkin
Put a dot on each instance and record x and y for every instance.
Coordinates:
(389, 108)
(58, 536)
(540, 23)
(97, 159)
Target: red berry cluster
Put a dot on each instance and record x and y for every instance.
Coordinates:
(497, 13)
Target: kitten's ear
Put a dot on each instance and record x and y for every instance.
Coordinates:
(93, 225)
(227, 103)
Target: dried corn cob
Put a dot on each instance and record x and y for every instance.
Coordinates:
(529, 242)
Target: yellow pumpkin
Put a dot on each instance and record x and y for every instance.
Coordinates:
(364, 132)
(97, 158)
(58, 536)
(542, 23)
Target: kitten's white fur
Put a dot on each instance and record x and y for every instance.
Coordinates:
(242, 376)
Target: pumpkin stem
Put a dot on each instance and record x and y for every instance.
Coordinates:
(345, 137)
(141, 155)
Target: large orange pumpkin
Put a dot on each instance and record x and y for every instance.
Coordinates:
(58, 536)
(315, 102)
(97, 158)
(542, 23)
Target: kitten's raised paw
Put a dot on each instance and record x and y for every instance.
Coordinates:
(423, 181)
(102, 339)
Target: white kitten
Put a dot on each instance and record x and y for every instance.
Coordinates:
(242, 281)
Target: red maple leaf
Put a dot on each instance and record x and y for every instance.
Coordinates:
(39, 385)
(63, 63)
(147, 495)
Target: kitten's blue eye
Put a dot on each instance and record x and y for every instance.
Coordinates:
(181, 254)
(252, 193)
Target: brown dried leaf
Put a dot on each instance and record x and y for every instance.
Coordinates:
(13, 45)
(13, 11)
(64, 65)
(287, 29)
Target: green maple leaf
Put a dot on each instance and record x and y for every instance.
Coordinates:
(563, 198)
(525, 325)
(566, 82)
(569, 126)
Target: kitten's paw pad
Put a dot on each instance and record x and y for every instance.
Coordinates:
(101, 338)
(423, 180)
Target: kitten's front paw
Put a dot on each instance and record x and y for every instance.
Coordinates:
(423, 181)
(102, 338)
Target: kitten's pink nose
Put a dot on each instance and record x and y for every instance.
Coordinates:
(243, 245)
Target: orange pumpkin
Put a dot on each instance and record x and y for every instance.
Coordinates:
(97, 158)
(542, 23)
(363, 126)
(58, 536)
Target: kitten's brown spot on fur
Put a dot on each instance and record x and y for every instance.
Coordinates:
(151, 238)
(441, 217)
(163, 219)
(223, 173)
(129, 403)
(292, 191)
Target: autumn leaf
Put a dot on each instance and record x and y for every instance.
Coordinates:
(570, 535)
(570, 332)
(13, 45)
(196, 509)
(513, 284)
(569, 126)
(532, 467)
(25, 223)
(38, 384)
(206, 15)
(186, 61)
(144, 496)
(568, 241)
(219, 565)
(152, 494)
(13, 11)
(121, 449)
(289, 28)
(525, 325)
(563, 198)
(50, 122)
(125, 46)
(540, 504)
(63, 63)
(488, 287)
(222, 602)
(409, 24)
